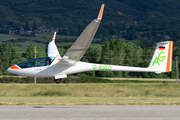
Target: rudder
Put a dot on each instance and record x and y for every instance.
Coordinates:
(162, 58)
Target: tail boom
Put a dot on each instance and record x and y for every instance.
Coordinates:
(161, 62)
(84, 67)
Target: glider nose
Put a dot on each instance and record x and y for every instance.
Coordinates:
(9, 69)
(14, 67)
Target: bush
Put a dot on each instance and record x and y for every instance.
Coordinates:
(25, 80)
(85, 79)
(70, 79)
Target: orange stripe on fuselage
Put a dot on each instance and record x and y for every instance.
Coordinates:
(15, 67)
(101, 11)
(169, 59)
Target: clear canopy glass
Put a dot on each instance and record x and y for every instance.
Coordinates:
(37, 62)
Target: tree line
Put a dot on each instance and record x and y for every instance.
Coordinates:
(116, 52)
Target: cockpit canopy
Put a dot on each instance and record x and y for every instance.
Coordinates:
(37, 62)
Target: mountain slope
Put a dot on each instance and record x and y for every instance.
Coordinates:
(127, 18)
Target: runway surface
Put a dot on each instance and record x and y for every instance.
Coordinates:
(90, 112)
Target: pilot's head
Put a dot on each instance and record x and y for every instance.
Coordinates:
(48, 61)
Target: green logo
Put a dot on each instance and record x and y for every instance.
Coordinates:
(102, 67)
(159, 58)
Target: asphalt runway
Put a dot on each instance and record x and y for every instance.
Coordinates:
(90, 112)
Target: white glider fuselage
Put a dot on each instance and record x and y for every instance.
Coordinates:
(63, 70)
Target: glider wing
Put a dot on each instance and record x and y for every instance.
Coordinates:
(52, 49)
(77, 50)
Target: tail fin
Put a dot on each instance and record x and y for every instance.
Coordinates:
(52, 49)
(162, 58)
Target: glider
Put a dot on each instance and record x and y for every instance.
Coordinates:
(59, 67)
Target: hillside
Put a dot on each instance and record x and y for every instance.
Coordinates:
(67, 11)
(61, 13)
(133, 20)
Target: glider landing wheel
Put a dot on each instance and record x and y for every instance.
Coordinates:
(58, 80)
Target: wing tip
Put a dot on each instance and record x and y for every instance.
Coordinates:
(54, 36)
(101, 12)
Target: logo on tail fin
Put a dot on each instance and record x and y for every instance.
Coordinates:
(159, 58)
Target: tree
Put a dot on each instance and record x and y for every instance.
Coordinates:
(105, 52)
(26, 26)
(119, 54)
(30, 52)
(46, 48)
(93, 54)
(34, 27)
(9, 55)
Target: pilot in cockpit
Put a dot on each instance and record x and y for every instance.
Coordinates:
(48, 61)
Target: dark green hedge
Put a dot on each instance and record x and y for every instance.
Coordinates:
(72, 79)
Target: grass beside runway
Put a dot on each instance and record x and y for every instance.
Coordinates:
(90, 94)
(88, 101)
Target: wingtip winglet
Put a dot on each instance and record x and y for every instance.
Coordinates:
(53, 39)
(101, 12)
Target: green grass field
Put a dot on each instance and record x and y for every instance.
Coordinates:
(5, 37)
(90, 94)
(42, 39)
